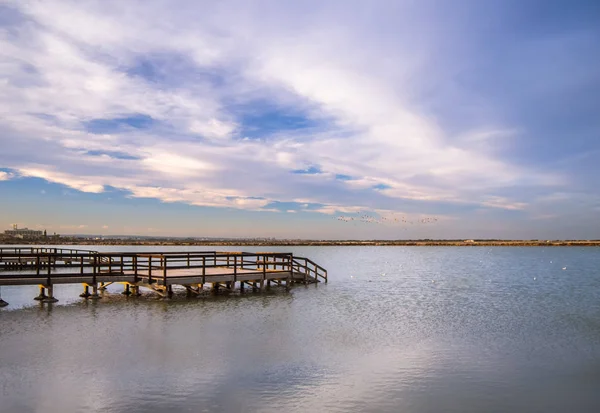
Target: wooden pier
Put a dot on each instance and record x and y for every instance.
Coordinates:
(156, 271)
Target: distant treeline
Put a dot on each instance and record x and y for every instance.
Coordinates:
(291, 242)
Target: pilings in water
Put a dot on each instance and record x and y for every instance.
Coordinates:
(95, 295)
(50, 295)
(42, 294)
(2, 302)
(86, 291)
(46, 294)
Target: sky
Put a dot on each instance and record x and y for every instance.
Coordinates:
(387, 119)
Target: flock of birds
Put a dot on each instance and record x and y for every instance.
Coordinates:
(370, 219)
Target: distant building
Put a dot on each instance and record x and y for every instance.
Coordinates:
(23, 232)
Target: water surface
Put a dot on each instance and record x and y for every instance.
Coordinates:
(397, 329)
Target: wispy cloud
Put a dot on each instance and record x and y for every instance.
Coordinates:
(172, 103)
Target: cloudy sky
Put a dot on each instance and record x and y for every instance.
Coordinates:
(311, 119)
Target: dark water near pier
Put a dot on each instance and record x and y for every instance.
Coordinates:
(397, 329)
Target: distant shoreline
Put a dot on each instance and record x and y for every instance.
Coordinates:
(299, 243)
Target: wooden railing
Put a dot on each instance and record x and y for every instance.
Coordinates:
(154, 265)
(51, 261)
(309, 268)
(18, 251)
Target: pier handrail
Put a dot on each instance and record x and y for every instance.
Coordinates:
(319, 272)
(11, 251)
(64, 263)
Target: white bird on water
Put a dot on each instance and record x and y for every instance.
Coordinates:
(564, 268)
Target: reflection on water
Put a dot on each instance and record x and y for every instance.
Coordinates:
(411, 329)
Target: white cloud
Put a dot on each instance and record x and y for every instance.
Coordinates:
(5, 176)
(503, 203)
(333, 209)
(81, 184)
(212, 128)
(80, 61)
(178, 165)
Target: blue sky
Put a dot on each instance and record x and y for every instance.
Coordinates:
(462, 119)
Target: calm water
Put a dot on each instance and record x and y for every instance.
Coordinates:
(397, 329)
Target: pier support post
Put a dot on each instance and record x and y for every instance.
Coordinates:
(86, 291)
(126, 290)
(95, 294)
(102, 287)
(169, 291)
(242, 286)
(50, 298)
(42, 294)
(288, 283)
(2, 302)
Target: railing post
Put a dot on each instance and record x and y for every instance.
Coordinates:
(95, 269)
(203, 269)
(306, 272)
(150, 270)
(234, 272)
(164, 271)
(135, 268)
(49, 269)
(290, 278)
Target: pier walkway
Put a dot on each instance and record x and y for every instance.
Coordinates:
(157, 271)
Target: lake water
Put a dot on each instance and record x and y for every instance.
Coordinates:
(396, 329)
